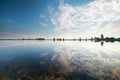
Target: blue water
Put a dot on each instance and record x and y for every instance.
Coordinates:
(68, 60)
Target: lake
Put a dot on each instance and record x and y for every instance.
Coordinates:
(60, 60)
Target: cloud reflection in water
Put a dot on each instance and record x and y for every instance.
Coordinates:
(91, 59)
(62, 60)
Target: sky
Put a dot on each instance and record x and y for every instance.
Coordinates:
(59, 18)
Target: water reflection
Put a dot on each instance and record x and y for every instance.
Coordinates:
(102, 43)
(60, 61)
(94, 62)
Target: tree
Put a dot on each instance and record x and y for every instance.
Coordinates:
(102, 37)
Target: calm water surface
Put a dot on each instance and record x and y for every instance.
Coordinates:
(68, 60)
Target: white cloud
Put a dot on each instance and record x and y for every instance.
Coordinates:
(50, 9)
(61, 1)
(42, 16)
(43, 24)
(53, 22)
(99, 16)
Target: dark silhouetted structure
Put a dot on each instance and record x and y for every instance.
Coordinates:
(102, 37)
(106, 39)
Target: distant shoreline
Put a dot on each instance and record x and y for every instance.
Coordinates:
(60, 39)
(95, 39)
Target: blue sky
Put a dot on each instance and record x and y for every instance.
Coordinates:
(58, 18)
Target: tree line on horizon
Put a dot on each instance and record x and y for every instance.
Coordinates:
(96, 39)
